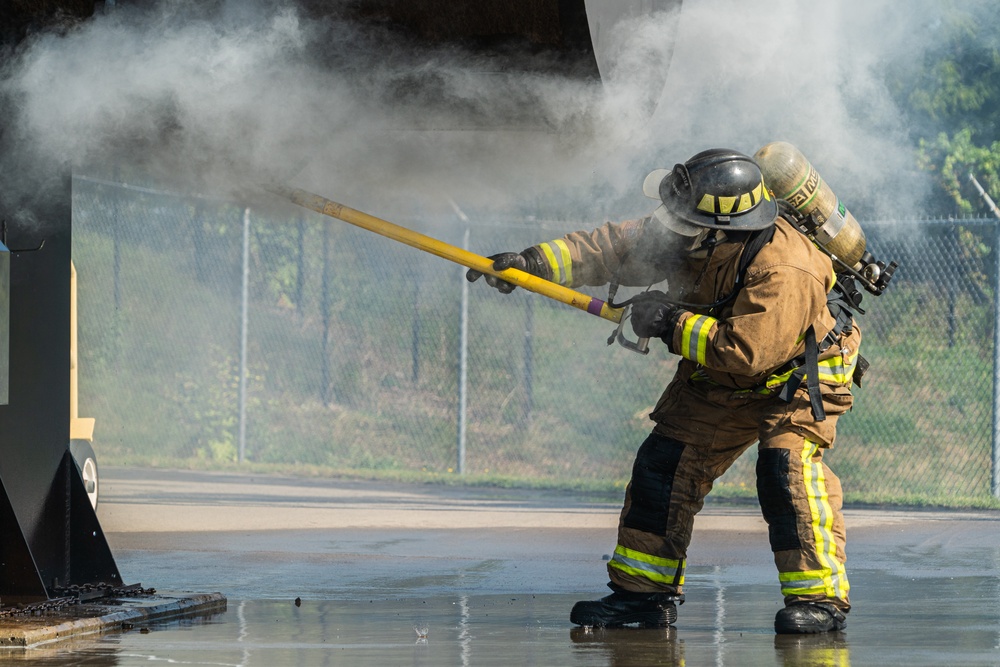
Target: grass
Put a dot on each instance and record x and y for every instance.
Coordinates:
(159, 371)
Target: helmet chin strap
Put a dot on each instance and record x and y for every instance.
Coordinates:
(704, 243)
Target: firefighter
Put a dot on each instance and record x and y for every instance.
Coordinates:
(768, 351)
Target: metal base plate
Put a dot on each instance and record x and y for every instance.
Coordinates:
(104, 615)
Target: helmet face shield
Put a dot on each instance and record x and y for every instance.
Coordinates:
(651, 188)
(718, 188)
(674, 223)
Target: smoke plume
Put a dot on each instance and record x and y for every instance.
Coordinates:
(263, 91)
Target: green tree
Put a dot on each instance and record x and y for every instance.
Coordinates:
(952, 98)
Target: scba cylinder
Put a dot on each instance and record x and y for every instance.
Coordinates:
(790, 176)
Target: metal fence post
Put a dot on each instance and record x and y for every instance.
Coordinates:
(116, 256)
(463, 363)
(995, 477)
(326, 392)
(244, 321)
(415, 335)
(529, 358)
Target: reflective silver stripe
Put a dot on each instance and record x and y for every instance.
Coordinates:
(797, 583)
(567, 261)
(831, 579)
(557, 254)
(694, 337)
(831, 370)
(654, 568)
(822, 523)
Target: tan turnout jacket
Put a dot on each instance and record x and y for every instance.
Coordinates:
(744, 343)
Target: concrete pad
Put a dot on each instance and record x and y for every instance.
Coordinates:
(491, 575)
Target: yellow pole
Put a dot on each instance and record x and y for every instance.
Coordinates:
(447, 251)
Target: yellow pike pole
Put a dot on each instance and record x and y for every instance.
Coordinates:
(447, 251)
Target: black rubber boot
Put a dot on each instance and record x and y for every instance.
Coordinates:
(806, 618)
(651, 610)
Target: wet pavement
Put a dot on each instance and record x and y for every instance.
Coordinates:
(422, 575)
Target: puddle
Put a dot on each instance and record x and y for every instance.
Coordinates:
(894, 623)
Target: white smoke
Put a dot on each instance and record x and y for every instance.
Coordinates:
(266, 93)
(812, 74)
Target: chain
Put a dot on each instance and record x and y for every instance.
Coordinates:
(72, 595)
(94, 591)
(38, 608)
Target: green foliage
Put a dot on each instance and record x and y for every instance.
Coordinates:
(212, 401)
(958, 81)
(353, 359)
(952, 98)
(955, 159)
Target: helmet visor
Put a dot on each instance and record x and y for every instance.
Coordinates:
(651, 188)
(674, 223)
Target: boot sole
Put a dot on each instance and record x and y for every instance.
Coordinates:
(795, 629)
(798, 630)
(659, 619)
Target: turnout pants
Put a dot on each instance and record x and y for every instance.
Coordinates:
(702, 429)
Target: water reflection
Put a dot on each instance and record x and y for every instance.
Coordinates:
(76, 653)
(824, 650)
(503, 630)
(631, 647)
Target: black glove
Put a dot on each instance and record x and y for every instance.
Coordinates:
(653, 316)
(529, 260)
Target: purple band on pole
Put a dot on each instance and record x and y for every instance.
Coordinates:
(595, 306)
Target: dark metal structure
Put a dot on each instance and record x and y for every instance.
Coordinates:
(50, 538)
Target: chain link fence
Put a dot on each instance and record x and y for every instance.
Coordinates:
(213, 331)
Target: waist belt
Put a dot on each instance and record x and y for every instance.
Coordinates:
(807, 365)
(809, 369)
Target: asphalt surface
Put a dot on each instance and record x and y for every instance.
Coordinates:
(389, 574)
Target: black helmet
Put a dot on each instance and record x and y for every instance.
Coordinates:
(717, 188)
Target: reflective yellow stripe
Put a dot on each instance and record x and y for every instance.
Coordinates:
(694, 337)
(700, 375)
(811, 582)
(557, 254)
(830, 370)
(654, 568)
(852, 362)
(726, 205)
(567, 261)
(833, 574)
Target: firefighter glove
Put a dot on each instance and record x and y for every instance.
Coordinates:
(529, 260)
(653, 316)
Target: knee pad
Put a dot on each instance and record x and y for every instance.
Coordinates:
(775, 495)
(652, 483)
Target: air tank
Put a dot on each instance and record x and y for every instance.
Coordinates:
(790, 176)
